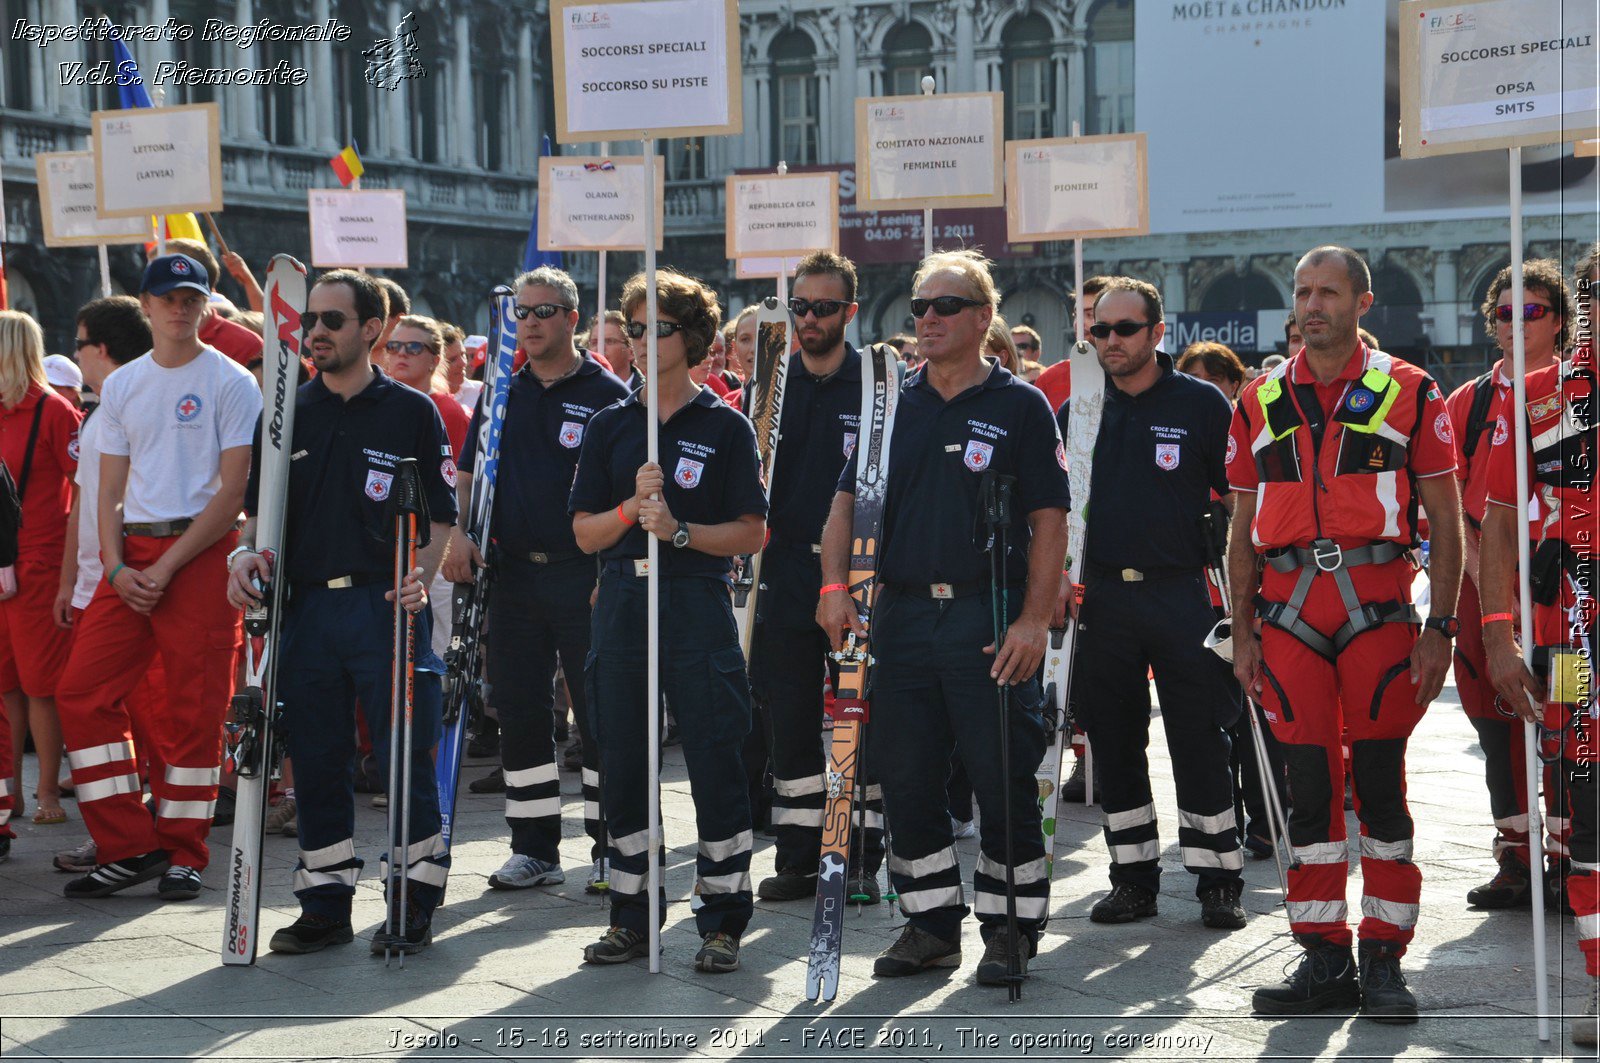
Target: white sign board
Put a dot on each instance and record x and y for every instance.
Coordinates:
(67, 204)
(157, 161)
(929, 151)
(764, 268)
(1480, 74)
(1063, 189)
(666, 68)
(597, 204)
(790, 215)
(358, 228)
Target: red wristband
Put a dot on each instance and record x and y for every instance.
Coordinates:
(1510, 618)
(830, 588)
(623, 517)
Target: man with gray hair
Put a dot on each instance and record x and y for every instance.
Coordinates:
(543, 582)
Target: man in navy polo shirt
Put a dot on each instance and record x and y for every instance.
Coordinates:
(1160, 454)
(705, 503)
(962, 420)
(788, 655)
(539, 610)
(352, 426)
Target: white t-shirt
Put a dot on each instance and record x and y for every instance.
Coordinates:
(173, 425)
(88, 478)
(468, 395)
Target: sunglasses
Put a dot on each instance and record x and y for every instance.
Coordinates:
(1100, 330)
(1530, 312)
(820, 307)
(1030, 346)
(79, 345)
(544, 311)
(409, 347)
(334, 319)
(944, 306)
(663, 329)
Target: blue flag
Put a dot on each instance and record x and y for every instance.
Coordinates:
(532, 257)
(130, 86)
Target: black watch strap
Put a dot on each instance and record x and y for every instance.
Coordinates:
(1448, 626)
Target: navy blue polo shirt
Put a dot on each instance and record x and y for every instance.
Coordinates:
(341, 471)
(539, 443)
(821, 417)
(933, 530)
(708, 456)
(1158, 457)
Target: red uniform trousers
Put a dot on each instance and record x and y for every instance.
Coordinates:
(33, 652)
(1367, 694)
(197, 635)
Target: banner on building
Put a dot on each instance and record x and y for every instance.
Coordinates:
(358, 229)
(597, 204)
(160, 161)
(917, 152)
(68, 207)
(1068, 188)
(772, 216)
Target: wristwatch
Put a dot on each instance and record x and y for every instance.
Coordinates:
(680, 538)
(1448, 626)
(233, 555)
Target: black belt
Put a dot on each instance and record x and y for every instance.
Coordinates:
(160, 529)
(1139, 575)
(339, 583)
(539, 557)
(799, 546)
(944, 591)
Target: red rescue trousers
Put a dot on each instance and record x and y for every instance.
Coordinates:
(197, 635)
(1366, 694)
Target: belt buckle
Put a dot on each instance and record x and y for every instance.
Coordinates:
(942, 591)
(641, 567)
(341, 584)
(1132, 575)
(539, 559)
(1328, 554)
(816, 548)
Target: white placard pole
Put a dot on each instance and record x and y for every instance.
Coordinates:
(652, 445)
(783, 268)
(927, 212)
(1530, 732)
(160, 100)
(600, 273)
(105, 272)
(1077, 295)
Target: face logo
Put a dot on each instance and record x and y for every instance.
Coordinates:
(188, 408)
(378, 484)
(1061, 455)
(1166, 456)
(978, 455)
(1501, 431)
(73, 447)
(1441, 428)
(447, 469)
(1233, 449)
(571, 434)
(849, 443)
(688, 472)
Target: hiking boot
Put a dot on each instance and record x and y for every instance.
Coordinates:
(1219, 906)
(1555, 886)
(1384, 996)
(79, 860)
(788, 886)
(107, 879)
(522, 872)
(416, 935)
(916, 950)
(1073, 789)
(179, 884)
(992, 968)
(311, 933)
(283, 818)
(492, 783)
(1326, 978)
(617, 945)
(1582, 1027)
(719, 953)
(863, 889)
(599, 878)
(1510, 887)
(485, 741)
(1124, 904)
(1257, 844)
(222, 815)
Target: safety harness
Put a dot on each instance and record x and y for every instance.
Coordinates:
(1368, 445)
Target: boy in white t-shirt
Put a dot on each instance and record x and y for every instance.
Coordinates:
(174, 430)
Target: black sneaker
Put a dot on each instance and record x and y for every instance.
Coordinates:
(1326, 978)
(787, 886)
(1073, 789)
(107, 879)
(1556, 898)
(1220, 908)
(179, 884)
(311, 933)
(492, 783)
(368, 781)
(1384, 996)
(485, 742)
(416, 935)
(992, 968)
(914, 952)
(223, 815)
(1124, 904)
(617, 945)
(863, 889)
(1511, 886)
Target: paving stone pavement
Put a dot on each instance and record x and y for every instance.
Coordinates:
(131, 977)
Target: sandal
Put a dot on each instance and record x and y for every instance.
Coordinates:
(45, 816)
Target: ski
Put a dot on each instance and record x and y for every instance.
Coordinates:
(254, 744)
(464, 687)
(880, 394)
(764, 404)
(1083, 426)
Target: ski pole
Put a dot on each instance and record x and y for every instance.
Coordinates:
(407, 505)
(998, 517)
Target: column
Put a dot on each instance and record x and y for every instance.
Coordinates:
(1173, 296)
(844, 102)
(824, 114)
(525, 107)
(35, 60)
(69, 98)
(247, 105)
(965, 32)
(1448, 313)
(397, 112)
(324, 131)
(1060, 116)
(154, 53)
(763, 120)
(1077, 84)
(465, 139)
(751, 137)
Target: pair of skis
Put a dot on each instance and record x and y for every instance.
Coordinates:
(764, 405)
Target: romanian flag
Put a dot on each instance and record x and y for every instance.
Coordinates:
(347, 164)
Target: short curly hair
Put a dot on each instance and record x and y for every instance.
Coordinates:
(687, 300)
(1217, 359)
(1542, 275)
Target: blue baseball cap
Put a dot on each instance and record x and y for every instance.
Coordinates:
(170, 272)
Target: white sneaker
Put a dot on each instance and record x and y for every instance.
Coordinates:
(522, 872)
(967, 829)
(599, 878)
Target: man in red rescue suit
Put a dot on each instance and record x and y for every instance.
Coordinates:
(1330, 455)
(1562, 451)
(1477, 411)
